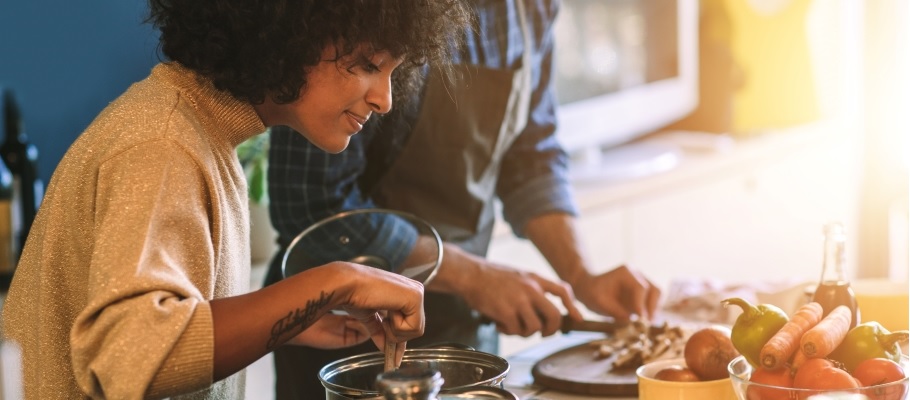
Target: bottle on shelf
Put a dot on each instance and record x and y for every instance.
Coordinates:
(834, 287)
(21, 158)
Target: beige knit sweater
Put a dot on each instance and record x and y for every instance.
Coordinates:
(144, 222)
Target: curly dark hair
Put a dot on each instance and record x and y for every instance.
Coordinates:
(254, 49)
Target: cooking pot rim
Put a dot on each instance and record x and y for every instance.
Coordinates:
(479, 358)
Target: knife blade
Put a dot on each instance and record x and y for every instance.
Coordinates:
(608, 327)
(568, 325)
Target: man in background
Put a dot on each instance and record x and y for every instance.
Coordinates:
(447, 158)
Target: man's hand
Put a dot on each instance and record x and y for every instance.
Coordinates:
(516, 300)
(620, 293)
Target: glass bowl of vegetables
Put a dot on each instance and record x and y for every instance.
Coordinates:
(820, 378)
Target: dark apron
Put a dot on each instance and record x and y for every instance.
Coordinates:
(446, 174)
(448, 170)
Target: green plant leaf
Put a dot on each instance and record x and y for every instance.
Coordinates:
(257, 182)
(253, 155)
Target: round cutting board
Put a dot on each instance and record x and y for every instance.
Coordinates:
(577, 370)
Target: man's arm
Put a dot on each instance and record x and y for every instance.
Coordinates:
(538, 201)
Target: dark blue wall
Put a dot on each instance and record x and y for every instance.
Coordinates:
(66, 60)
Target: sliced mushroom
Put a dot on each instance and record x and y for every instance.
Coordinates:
(638, 343)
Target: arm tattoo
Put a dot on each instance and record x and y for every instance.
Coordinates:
(298, 317)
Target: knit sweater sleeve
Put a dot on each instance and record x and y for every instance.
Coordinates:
(147, 328)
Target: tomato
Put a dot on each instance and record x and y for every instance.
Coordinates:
(822, 374)
(772, 377)
(878, 371)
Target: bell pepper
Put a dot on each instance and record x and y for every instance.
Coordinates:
(869, 340)
(754, 327)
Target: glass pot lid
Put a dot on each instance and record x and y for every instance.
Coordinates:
(387, 239)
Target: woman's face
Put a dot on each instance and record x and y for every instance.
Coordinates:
(338, 98)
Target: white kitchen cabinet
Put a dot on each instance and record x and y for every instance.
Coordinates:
(758, 221)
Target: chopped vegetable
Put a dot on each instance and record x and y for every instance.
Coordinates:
(639, 343)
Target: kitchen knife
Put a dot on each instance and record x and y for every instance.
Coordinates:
(568, 325)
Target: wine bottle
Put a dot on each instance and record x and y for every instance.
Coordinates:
(21, 157)
(834, 288)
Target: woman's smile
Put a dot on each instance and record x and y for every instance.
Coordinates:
(356, 121)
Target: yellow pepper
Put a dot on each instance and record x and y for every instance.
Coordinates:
(754, 327)
(869, 340)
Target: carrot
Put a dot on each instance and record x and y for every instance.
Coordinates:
(781, 346)
(798, 359)
(824, 337)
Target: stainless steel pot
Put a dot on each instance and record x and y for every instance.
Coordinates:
(355, 377)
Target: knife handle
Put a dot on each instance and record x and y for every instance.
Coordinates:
(569, 324)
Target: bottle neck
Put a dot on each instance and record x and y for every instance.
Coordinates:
(833, 268)
(12, 119)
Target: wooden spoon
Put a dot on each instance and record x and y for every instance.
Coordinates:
(391, 347)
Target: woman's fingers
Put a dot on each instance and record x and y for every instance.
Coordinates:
(400, 297)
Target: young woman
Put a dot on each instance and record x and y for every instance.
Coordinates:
(134, 279)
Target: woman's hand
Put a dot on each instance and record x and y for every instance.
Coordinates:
(298, 309)
(377, 295)
(333, 332)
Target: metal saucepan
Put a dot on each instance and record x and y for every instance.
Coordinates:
(355, 377)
